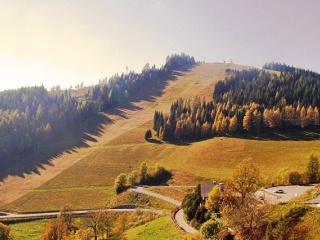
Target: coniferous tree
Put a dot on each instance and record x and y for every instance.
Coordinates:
(312, 171)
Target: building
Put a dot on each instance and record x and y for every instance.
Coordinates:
(207, 187)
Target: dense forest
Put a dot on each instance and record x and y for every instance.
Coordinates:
(279, 97)
(30, 116)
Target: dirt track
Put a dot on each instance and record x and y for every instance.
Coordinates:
(198, 82)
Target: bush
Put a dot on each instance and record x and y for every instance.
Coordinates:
(148, 134)
(5, 232)
(120, 183)
(294, 178)
(210, 229)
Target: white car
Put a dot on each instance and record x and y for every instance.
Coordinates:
(278, 191)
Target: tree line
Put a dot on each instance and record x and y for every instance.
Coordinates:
(248, 101)
(275, 86)
(30, 116)
(145, 175)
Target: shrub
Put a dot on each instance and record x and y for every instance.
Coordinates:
(210, 229)
(148, 135)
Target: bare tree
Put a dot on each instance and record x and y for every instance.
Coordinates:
(66, 216)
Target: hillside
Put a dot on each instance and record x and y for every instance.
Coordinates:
(198, 81)
(84, 175)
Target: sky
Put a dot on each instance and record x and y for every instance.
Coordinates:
(50, 43)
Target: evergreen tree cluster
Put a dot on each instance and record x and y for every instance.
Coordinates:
(179, 62)
(30, 116)
(293, 86)
(146, 175)
(120, 87)
(246, 101)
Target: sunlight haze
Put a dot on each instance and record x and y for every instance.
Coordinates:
(68, 42)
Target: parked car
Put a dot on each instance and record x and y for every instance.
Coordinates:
(278, 191)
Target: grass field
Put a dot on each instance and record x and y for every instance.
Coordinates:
(88, 181)
(28, 230)
(161, 228)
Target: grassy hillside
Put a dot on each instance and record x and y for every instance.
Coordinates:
(28, 230)
(161, 228)
(88, 181)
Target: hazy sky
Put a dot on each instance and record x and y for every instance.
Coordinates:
(68, 42)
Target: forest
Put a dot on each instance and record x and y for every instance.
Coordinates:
(278, 97)
(30, 116)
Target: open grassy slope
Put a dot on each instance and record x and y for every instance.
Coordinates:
(111, 125)
(161, 228)
(87, 180)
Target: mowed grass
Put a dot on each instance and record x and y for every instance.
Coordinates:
(31, 230)
(89, 182)
(160, 228)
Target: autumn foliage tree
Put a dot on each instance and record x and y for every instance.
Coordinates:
(120, 183)
(246, 178)
(249, 101)
(5, 232)
(145, 175)
(240, 208)
(214, 200)
(55, 229)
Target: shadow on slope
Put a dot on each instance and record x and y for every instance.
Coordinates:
(78, 137)
(67, 142)
(283, 135)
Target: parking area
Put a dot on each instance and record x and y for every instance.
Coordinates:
(273, 195)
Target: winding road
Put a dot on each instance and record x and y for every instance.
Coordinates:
(179, 216)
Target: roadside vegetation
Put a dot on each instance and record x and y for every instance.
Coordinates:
(144, 176)
(235, 212)
(98, 225)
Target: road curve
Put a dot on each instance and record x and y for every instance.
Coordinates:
(156, 195)
(179, 216)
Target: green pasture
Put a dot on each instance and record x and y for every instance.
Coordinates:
(160, 228)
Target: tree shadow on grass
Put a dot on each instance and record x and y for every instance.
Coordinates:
(68, 142)
(153, 140)
(77, 137)
(283, 135)
(153, 89)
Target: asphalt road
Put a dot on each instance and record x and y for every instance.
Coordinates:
(16, 216)
(179, 216)
(142, 190)
(289, 192)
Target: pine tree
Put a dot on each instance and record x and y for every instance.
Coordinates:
(233, 125)
(247, 121)
(312, 171)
